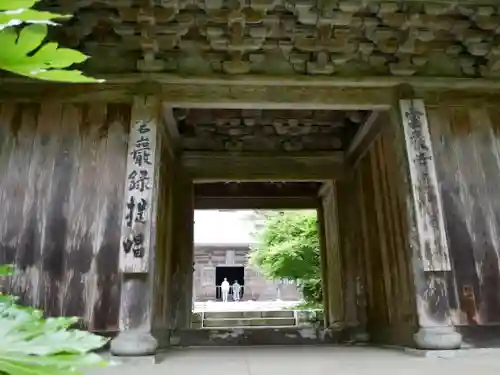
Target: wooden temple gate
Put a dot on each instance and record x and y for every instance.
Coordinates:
(380, 114)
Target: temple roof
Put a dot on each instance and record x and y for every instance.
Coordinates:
(346, 38)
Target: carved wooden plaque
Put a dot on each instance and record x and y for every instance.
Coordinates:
(425, 189)
(139, 190)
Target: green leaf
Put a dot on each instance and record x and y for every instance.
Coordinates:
(17, 4)
(16, 12)
(46, 63)
(19, 16)
(58, 75)
(30, 37)
(13, 367)
(289, 248)
(56, 361)
(32, 345)
(53, 57)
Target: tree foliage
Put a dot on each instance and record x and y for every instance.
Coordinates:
(289, 248)
(33, 345)
(25, 51)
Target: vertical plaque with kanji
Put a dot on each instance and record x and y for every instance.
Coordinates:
(425, 189)
(139, 191)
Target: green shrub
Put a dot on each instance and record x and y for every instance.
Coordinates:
(33, 345)
(289, 248)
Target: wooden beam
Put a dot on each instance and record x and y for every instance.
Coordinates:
(210, 95)
(328, 93)
(363, 138)
(256, 189)
(253, 166)
(251, 203)
(443, 2)
(163, 79)
(129, 83)
(325, 189)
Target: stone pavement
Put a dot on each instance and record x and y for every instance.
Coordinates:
(310, 361)
(244, 305)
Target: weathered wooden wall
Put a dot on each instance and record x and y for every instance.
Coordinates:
(181, 270)
(62, 170)
(164, 239)
(466, 142)
(331, 257)
(374, 245)
(350, 232)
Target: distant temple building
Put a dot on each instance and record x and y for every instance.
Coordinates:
(223, 240)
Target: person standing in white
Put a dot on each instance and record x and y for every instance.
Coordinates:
(225, 289)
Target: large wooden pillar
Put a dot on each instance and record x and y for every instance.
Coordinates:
(181, 271)
(426, 231)
(138, 240)
(332, 261)
(323, 264)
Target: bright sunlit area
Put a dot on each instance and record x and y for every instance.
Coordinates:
(255, 259)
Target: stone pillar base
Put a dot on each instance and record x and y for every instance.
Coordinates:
(133, 344)
(438, 338)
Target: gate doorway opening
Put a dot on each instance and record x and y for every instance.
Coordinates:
(232, 274)
(234, 244)
(346, 166)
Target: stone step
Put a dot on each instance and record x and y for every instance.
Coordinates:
(248, 314)
(257, 336)
(249, 322)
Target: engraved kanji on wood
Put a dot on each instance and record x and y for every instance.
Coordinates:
(139, 189)
(428, 208)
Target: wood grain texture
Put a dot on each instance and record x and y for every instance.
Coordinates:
(238, 94)
(164, 238)
(63, 167)
(140, 187)
(174, 258)
(466, 144)
(263, 166)
(324, 264)
(378, 291)
(182, 257)
(349, 230)
(400, 296)
(425, 192)
(334, 262)
(256, 195)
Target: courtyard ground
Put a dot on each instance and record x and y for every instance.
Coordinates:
(243, 306)
(310, 361)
